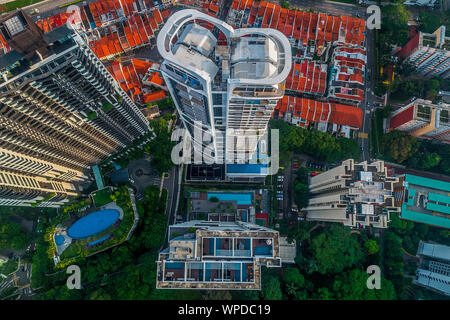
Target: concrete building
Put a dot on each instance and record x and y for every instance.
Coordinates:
(434, 267)
(217, 255)
(424, 200)
(423, 119)
(60, 113)
(429, 53)
(224, 80)
(355, 194)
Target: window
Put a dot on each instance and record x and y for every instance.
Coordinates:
(217, 99)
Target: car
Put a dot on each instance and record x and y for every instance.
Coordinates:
(313, 174)
(362, 148)
(295, 165)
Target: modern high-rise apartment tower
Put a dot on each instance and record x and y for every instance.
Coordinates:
(60, 112)
(224, 80)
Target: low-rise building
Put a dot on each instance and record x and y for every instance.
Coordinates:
(424, 200)
(423, 119)
(347, 74)
(434, 267)
(333, 118)
(217, 255)
(429, 53)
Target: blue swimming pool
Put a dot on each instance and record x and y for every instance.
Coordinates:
(100, 240)
(93, 223)
(59, 240)
(241, 198)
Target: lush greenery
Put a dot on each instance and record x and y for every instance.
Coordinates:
(301, 194)
(124, 272)
(8, 267)
(402, 148)
(285, 4)
(9, 6)
(81, 248)
(160, 148)
(166, 104)
(394, 31)
(323, 146)
(405, 87)
(430, 21)
(102, 197)
(92, 115)
(11, 235)
(331, 264)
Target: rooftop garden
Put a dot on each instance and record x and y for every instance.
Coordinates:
(102, 197)
(108, 238)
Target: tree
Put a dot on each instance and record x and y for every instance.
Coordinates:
(371, 246)
(399, 146)
(271, 288)
(335, 250)
(11, 237)
(160, 147)
(292, 275)
(353, 286)
(301, 195)
(430, 21)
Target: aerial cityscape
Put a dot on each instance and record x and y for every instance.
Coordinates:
(224, 150)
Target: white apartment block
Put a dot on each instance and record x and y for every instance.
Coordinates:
(224, 80)
(217, 255)
(429, 53)
(423, 119)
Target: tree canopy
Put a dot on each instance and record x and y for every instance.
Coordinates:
(336, 249)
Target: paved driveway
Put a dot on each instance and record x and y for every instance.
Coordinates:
(142, 175)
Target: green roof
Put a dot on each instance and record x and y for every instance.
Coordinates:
(439, 197)
(426, 182)
(425, 218)
(438, 207)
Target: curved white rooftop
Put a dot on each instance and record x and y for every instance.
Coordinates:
(263, 58)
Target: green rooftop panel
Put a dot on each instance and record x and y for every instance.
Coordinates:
(429, 183)
(425, 218)
(439, 197)
(438, 207)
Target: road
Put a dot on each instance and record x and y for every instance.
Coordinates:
(333, 8)
(363, 142)
(20, 279)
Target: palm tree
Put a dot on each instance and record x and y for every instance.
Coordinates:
(291, 288)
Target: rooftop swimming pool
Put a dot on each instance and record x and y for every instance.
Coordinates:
(244, 199)
(59, 239)
(93, 223)
(100, 240)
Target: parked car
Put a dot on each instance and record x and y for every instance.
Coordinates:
(313, 174)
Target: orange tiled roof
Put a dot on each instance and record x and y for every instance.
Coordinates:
(154, 96)
(307, 76)
(316, 111)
